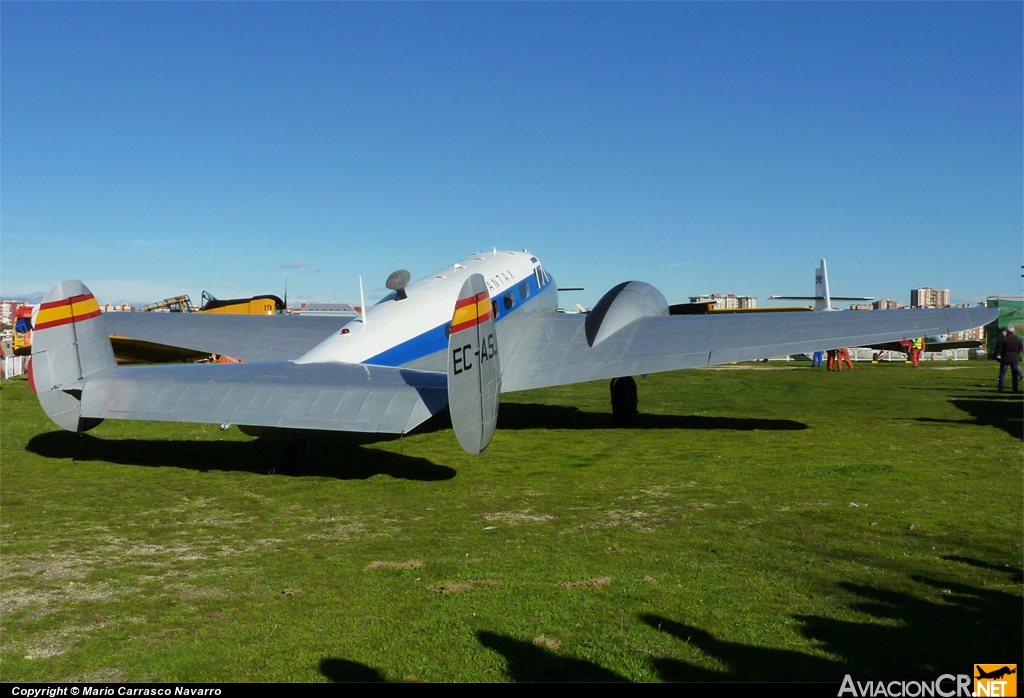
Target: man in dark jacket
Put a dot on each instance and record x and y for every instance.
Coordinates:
(1008, 350)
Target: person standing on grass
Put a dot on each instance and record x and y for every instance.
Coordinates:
(1008, 350)
(841, 356)
(818, 359)
(916, 349)
(831, 359)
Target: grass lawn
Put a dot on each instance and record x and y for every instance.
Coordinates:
(762, 522)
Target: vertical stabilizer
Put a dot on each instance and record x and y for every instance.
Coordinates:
(822, 300)
(474, 374)
(70, 344)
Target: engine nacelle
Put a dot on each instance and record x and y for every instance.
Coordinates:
(629, 301)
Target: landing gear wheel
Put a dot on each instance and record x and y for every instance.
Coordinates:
(295, 454)
(624, 400)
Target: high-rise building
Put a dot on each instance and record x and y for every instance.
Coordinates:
(8, 310)
(886, 304)
(929, 297)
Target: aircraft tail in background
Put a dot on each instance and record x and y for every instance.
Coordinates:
(822, 299)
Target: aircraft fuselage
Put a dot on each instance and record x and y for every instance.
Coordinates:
(413, 332)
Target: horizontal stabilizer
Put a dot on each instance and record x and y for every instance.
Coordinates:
(248, 337)
(330, 396)
(814, 298)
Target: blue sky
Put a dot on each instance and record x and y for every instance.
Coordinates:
(152, 149)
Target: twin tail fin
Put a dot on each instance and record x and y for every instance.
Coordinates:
(69, 345)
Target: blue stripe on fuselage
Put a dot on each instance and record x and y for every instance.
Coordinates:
(436, 339)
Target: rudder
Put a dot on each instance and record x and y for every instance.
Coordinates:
(69, 345)
(474, 373)
(822, 300)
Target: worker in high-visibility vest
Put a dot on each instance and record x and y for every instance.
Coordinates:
(916, 349)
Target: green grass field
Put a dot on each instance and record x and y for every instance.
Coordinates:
(762, 522)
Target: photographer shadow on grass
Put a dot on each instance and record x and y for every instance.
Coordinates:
(527, 662)
(1000, 411)
(345, 670)
(340, 456)
(913, 638)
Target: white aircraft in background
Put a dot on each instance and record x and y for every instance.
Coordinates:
(822, 299)
(457, 338)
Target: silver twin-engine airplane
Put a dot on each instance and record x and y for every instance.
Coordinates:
(457, 338)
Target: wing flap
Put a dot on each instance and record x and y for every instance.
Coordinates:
(555, 351)
(339, 397)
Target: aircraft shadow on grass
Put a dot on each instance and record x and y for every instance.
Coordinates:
(516, 415)
(339, 456)
(1002, 412)
(930, 638)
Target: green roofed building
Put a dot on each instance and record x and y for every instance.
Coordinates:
(1011, 314)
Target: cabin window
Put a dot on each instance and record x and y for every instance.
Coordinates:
(494, 309)
(509, 300)
(524, 291)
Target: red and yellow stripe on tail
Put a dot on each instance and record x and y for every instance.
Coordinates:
(470, 312)
(66, 310)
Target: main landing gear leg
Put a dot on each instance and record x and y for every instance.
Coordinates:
(295, 453)
(624, 400)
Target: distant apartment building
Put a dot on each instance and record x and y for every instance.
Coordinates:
(8, 310)
(929, 297)
(726, 301)
(861, 306)
(977, 333)
(123, 308)
(886, 304)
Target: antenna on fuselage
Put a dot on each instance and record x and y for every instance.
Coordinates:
(397, 283)
(362, 302)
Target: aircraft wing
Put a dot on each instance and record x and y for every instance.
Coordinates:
(248, 337)
(555, 350)
(339, 397)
